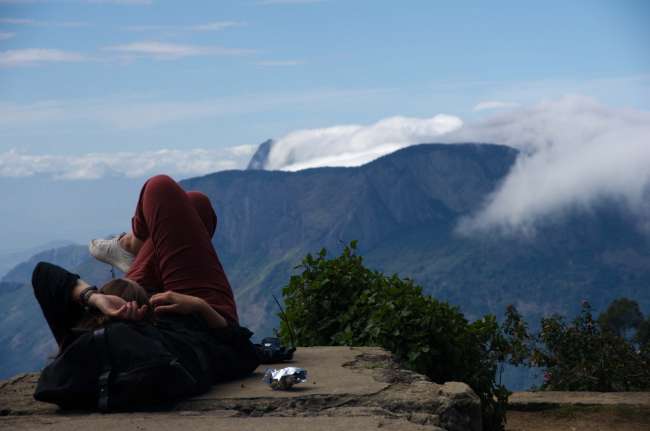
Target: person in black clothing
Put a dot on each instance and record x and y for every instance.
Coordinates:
(211, 355)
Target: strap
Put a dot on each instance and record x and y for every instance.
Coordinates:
(100, 336)
(85, 295)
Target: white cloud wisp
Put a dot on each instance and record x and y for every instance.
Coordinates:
(206, 27)
(127, 164)
(37, 23)
(354, 145)
(493, 104)
(574, 152)
(172, 51)
(33, 56)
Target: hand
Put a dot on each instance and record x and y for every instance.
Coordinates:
(174, 302)
(114, 306)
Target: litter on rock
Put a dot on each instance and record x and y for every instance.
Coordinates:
(284, 378)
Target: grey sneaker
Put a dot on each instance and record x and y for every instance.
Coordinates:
(109, 251)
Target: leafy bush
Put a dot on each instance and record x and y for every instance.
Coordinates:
(642, 336)
(622, 316)
(340, 302)
(581, 356)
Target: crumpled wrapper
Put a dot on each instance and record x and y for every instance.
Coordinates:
(284, 378)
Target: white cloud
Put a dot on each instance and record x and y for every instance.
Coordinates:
(209, 26)
(215, 26)
(243, 150)
(36, 23)
(494, 104)
(171, 51)
(128, 164)
(17, 21)
(122, 2)
(353, 145)
(575, 151)
(5, 36)
(279, 63)
(24, 57)
(278, 2)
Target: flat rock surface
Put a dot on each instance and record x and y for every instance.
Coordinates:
(326, 376)
(347, 389)
(550, 398)
(205, 422)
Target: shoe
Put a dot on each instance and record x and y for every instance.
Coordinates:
(110, 251)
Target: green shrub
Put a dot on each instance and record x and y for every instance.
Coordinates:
(581, 356)
(621, 317)
(340, 302)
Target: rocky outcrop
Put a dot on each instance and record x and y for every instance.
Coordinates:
(261, 156)
(348, 388)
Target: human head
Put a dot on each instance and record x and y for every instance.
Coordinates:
(126, 289)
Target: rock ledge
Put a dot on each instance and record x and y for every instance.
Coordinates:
(359, 388)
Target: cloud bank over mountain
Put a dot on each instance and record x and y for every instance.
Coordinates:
(354, 145)
(574, 152)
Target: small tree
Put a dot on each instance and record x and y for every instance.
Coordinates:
(580, 356)
(642, 336)
(621, 316)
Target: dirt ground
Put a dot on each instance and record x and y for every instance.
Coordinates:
(605, 418)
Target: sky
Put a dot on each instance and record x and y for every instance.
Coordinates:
(137, 76)
(96, 89)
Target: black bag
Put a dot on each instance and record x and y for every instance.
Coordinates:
(123, 366)
(271, 351)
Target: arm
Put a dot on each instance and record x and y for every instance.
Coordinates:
(109, 305)
(174, 302)
(210, 315)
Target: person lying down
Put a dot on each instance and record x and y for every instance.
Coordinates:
(167, 330)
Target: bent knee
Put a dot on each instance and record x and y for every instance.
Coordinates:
(161, 185)
(161, 181)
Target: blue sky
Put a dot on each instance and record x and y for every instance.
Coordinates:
(149, 75)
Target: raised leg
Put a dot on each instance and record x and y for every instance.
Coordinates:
(177, 252)
(144, 269)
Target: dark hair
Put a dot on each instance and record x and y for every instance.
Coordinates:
(126, 289)
(93, 319)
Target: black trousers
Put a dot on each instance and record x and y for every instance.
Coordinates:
(210, 355)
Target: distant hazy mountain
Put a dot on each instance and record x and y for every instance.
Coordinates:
(403, 209)
(10, 258)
